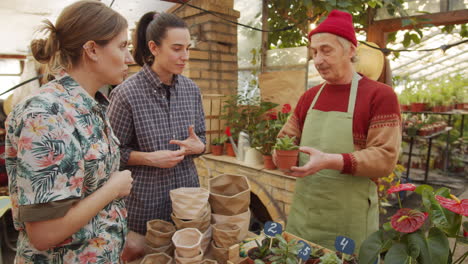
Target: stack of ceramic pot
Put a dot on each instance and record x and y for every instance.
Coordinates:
(229, 200)
(187, 244)
(190, 209)
(158, 237)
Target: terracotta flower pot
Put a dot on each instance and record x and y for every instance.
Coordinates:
(404, 107)
(229, 150)
(437, 109)
(217, 150)
(418, 107)
(461, 106)
(268, 162)
(286, 159)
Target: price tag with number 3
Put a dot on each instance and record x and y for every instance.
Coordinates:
(272, 228)
(345, 245)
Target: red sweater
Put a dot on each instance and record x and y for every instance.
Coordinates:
(376, 123)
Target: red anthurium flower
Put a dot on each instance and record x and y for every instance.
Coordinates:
(228, 132)
(272, 115)
(407, 220)
(465, 234)
(454, 204)
(286, 108)
(402, 187)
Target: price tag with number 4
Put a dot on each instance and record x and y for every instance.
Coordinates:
(272, 228)
(345, 245)
(304, 253)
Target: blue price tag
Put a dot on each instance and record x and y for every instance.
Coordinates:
(304, 253)
(272, 228)
(345, 245)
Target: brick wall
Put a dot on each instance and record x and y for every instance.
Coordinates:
(213, 59)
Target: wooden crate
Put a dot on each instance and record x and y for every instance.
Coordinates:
(234, 257)
(213, 105)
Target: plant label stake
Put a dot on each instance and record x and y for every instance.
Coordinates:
(271, 229)
(344, 245)
(304, 253)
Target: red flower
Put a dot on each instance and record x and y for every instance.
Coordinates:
(455, 205)
(228, 132)
(272, 115)
(407, 220)
(465, 234)
(286, 108)
(402, 187)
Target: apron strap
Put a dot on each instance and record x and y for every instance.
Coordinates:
(353, 93)
(317, 96)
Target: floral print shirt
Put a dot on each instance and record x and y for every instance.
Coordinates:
(60, 147)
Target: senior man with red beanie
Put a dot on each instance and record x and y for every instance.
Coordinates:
(349, 130)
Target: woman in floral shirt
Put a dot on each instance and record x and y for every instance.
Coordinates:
(62, 156)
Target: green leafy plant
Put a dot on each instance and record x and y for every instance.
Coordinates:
(330, 258)
(286, 143)
(264, 136)
(243, 114)
(420, 235)
(262, 252)
(219, 140)
(286, 252)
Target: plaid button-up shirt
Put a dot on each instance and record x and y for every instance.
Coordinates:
(144, 120)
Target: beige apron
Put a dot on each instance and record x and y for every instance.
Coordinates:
(328, 204)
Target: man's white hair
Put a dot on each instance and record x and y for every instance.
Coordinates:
(346, 44)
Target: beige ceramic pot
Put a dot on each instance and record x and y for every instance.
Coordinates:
(229, 194)
(187, 242)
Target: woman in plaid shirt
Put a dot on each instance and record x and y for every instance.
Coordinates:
(157, 115)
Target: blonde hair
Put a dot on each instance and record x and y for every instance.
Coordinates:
(78, 23)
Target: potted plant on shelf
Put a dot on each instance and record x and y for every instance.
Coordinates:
(287, 152)
(229, 148)
(217, 145)
(264, 137)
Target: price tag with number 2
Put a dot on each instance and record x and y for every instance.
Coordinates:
(272, 228)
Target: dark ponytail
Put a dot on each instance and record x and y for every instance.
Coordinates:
(141, 51)
(153, 26)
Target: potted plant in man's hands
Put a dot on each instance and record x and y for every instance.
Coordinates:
(287, 152)
(217, 145)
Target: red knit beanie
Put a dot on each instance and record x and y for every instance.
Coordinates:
(338, 23)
